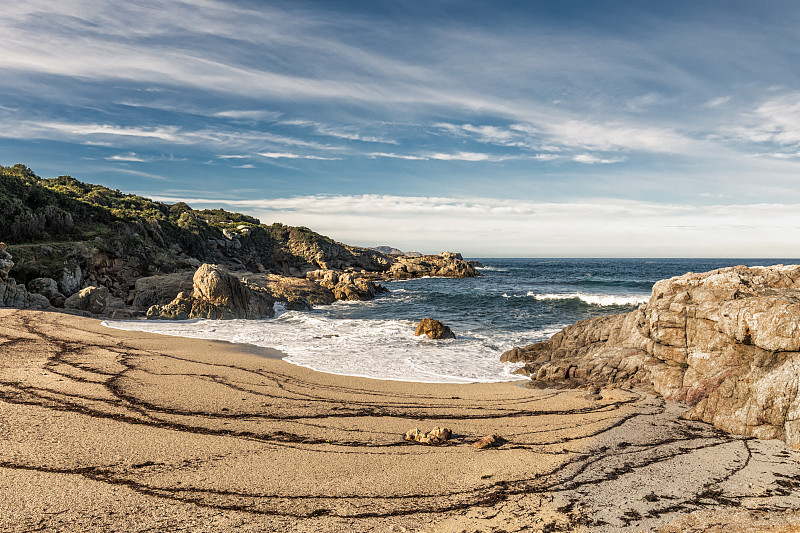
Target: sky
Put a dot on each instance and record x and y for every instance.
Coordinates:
(498, 129)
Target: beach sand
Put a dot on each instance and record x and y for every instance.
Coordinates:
(103, 429)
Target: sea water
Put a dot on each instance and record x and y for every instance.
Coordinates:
(515, 302)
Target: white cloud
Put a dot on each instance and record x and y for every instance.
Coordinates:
(349, 134)
(165, 133)
(590, 159)
(398, 156)
(130, 156)
(287, 155)
(717, 102)
(248, 115)
(776, 120)
(618, 136)
(467, 156)
(509, 228)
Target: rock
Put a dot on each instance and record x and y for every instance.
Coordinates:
(91, 299)
(489, 441)
(298, 294)
(13, 294)
(160, 290)
(346, 285)
(436, 436)
(593, 393)
(216, 294)
(434, 329)
(71, 279)
(6, 264)
(47, 287)
(726, 342)
(447, 264)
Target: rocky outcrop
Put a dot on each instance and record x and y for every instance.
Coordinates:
(446, 264)
(346, 285)
(13, 294)
(216, 294)
(434, 329)
(726, 342)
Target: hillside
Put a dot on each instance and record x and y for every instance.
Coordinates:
(62, 228)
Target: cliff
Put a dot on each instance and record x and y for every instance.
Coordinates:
(726, 342)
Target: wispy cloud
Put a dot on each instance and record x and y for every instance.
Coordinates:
(248, 115)
(590, 159)
(466, 156)
(130, 156)
(348, 133)
(287, 155)
(397, 156)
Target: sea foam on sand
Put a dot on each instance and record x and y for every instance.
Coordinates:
(373, 348)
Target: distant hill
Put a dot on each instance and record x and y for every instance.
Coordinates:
(113, 238)
(388, 250)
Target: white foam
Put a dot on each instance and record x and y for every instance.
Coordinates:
(595, 299)
(380, 349)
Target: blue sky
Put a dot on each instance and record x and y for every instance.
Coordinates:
(592, 128)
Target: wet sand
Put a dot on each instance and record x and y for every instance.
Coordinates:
(105, 430)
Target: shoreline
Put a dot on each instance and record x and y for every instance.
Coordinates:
(135, 430)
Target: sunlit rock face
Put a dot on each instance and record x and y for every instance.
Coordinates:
(726, 342)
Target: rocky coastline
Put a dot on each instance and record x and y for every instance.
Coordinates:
(215, 291)
(725, 342)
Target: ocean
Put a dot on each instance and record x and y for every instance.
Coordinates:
(515, 302)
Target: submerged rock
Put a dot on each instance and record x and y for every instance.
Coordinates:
(726, 342)
(434, 329)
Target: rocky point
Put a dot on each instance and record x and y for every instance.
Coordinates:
(725, 342)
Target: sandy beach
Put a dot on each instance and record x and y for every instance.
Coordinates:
(108, 430)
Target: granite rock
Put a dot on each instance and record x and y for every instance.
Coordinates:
(725, 342)
(216, 294)
(434, 329)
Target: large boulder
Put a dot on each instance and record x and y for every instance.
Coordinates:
(726, 342)
(47, 287)
(216, 294)
(71, 279)
(91, 299)
(434, 329)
